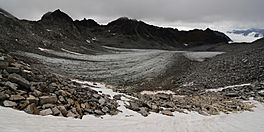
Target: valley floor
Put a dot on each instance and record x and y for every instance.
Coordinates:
(118, 66)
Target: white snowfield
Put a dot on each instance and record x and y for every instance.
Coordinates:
(130, 121)
(241, 38)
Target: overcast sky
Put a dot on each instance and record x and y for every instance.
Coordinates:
(182, 14)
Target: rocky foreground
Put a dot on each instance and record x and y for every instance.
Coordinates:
(36, 92)
(40, 92)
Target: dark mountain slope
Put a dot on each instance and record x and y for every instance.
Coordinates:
(244, 64)
(7, 14)
(57, 30)
(138, 31)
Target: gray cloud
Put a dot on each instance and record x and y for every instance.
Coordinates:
(163, 12)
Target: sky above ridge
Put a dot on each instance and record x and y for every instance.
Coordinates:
(220, 15)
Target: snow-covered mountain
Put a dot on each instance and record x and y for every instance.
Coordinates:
(249, 32)
(247, 35)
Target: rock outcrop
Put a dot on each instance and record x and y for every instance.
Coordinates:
(41, 93)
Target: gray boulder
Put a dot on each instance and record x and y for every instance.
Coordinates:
(3, 96)
(167, 113)
(56, 111)
(71, 114)
(3, 64)
(32, 109)
(11, 85)
(117, 97)
(46, 106)
(46, 112)
(48, 100)
(13, 69)
(261, 93)
(143, 111)
(63, 110)
(101, 101)
(16, 98)
(99, 112)
(8, 103)
(105, 109)
(15, 78)
(133, 106)
(32, 99)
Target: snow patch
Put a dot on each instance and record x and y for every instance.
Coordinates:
(17, 121)
(27, 71)
(42, 49)
(157, 92)
(237, 38)
(88, 41)
(103, 89)
(71, 52)
(94, 38)
(201, 56)
(188, 84)
(232, 86)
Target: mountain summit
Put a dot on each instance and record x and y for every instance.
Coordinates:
(56, 16)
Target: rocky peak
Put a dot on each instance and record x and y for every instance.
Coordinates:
(86, 23)
(56, 16)
(122, 21)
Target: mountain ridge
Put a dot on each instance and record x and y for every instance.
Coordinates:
(59, 30)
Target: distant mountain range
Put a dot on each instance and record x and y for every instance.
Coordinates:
(57, 29)
(249, 32)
